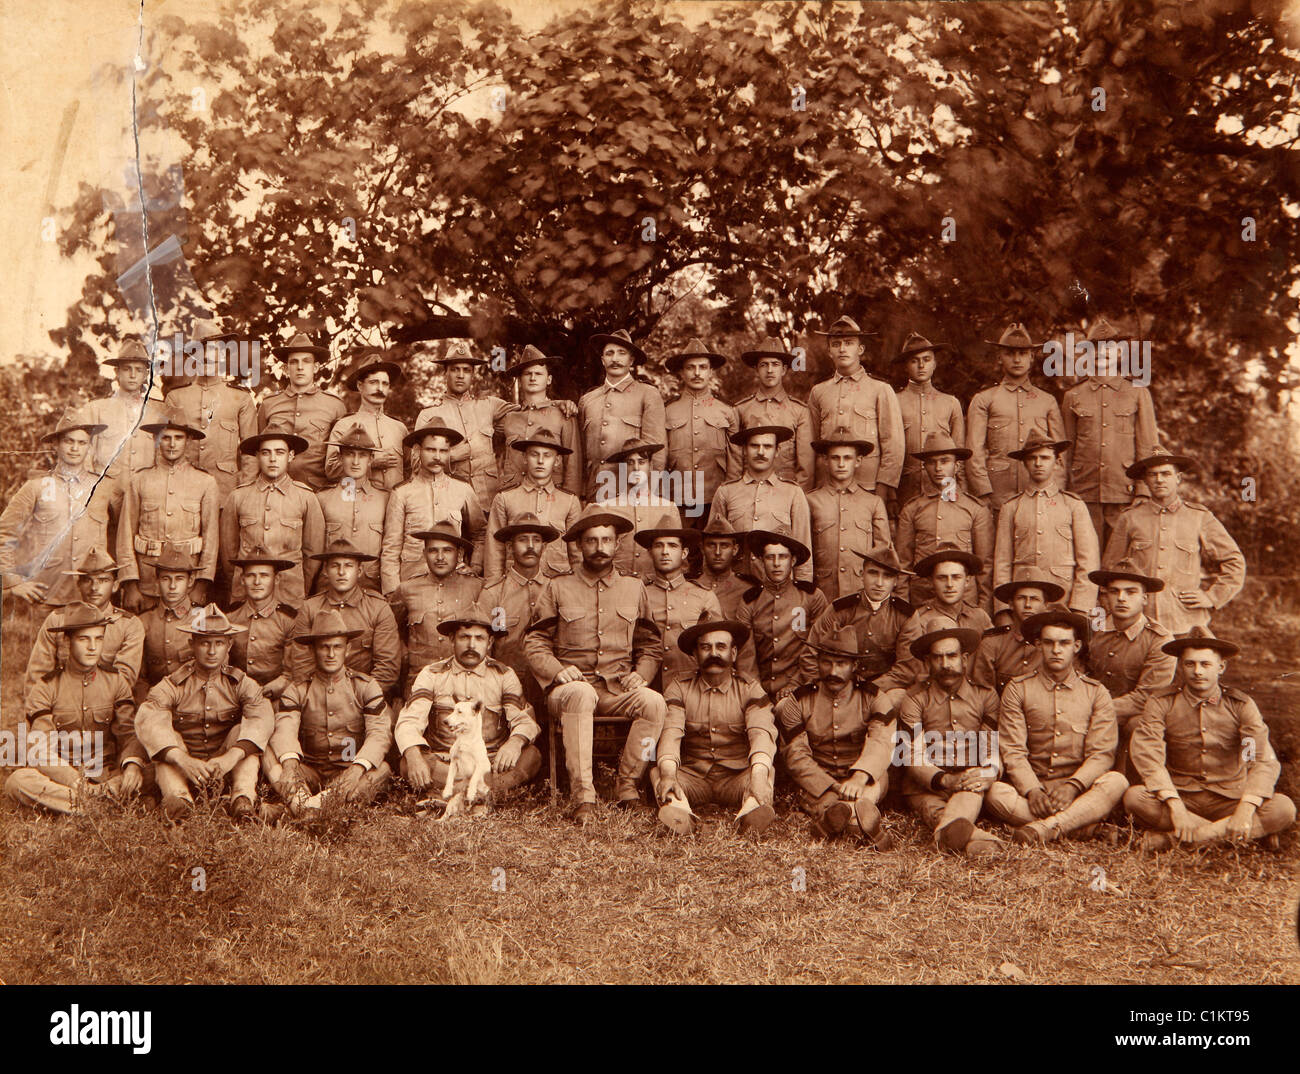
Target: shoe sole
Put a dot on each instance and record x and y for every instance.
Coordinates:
(676, 820)
(757, 820)
(836, 818)
(955, 835)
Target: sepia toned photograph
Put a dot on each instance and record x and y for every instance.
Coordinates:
(646, 492)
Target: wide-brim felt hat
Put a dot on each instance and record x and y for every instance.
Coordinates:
(969, 560)
(1035, 441)
(843, 437)
(940, 444)
(328, 624)
(595, 515)
(79, 616)
(527, 523)
(694, 349)
(622, 338)
(355, 439)
(132, 350)
(172, 423)
(781, 432)
(687, 638)
(1159, 457)
(343, 549)
(68, 424)
(251, 445)
(633, 446)
(1200, 638)
(531, 357)
(460, 351)
(884, 555)
(445, 531)
(1032, 627)
(373, 361)
(667, 527)
(260, 557)
(842, 643)
(1125, 572)
(475, 616)
(1015, 337)
(1051, 591)
(300, 342)
(212, 623)
(770, 348)
(413, 438)
(173, 559)
(96, 561)
(757, 539)
(718, 526)
(968, 637)
(844, 326)
(916, 344)
(542, 438)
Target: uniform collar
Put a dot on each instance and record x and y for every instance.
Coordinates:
(1195, 702)
(855, 376)
(669, 583)
(1174, 505)
(179, 466)
(964, 691)
(280, 484)
(776, 395)
(1050, 489)
(1071, 680)
(1139, 625)
(181, 611)
(523, 579)
(595, 580)
(270, 604)
(480, 669)
(1026, 387)
(920, 389)
(351, 598)
(767, 479)
(545, 404)
(704, 395)
(620, 386)
(370, 411)
(291, 391)
(721, 688)
(529, 485)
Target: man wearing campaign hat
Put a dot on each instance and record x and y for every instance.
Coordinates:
(1109, 422)
(1057, 733)
(927, 412)
(512, 599)
(1209, 773)
(847, 518)
(261, 650)
(81, 737)
(718, 743)
(1179, 542)
(943, 514)
(1005, 654)
(123, 645)
(1128, 658)
(304, 408)
(720, 545)
(949, 729)
(630, 485)
(166, 644)
(1000, 419)
(169, 505)
(835, 749)
(778, 614)
(537, 411)
(867, 406)
(355, 508)
(675, 603)
(758, 499)
(770, 405)
(534, 493)
(621, 408)
(469, 673)
(875, 613)
(594, 647)
(53, 520)
(206, 720)
(275, 511)
(700, 424)
(1046, 530)
(373, 376)
(376, 648)
(332, 726)
(225, 414)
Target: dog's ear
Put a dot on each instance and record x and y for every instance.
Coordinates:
(478, 705)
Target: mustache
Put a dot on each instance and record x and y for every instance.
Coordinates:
(713, 662)
(836, 680)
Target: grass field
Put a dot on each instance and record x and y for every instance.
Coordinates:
(524, 896)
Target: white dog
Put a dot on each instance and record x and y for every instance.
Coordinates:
(469, 757)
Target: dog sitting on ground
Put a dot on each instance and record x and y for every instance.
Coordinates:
(469, 758)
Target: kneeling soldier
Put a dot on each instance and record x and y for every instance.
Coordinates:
(834, 749)
(719, 738)
(206, 721)
(332, 729)
(1058, 735)
(1202, 750)
(87, 701)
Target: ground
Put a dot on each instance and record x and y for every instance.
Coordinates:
(523, 896)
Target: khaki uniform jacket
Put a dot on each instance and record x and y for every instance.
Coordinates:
(1131, 665)
(122, 449)
(926, 412)
(998, 421)
(169, 507)
(928, 521)
(329, 721)
(767, 503)
(282, 516)
(908, 670)
(780, 621)
(1110, 422)
(312, 415)
(166, 646)
(50, 524)
(729, 588)
(1050, 730)
(844, 522)
(868, 408)
(877, 629)
(261, 650)
(795, 460)
(552, 505)
(355, 512)
(376, 651)
(729, 727)
(419, 505)
(477, 418)
(828, 737)
(387, 466)
(952, 720)
(612, 415)
(69, 700)
(226, 415)
(699, 426)
(523, 423)
(185, 709)
(512, 599)
(123, 647)
(420, 604)
(1002, 656)
(675, 605)
(505, 712)
(1049, 533)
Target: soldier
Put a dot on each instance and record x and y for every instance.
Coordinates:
(621, 409)
(1128, 659)
(332, 727)
(1005, 654)
(123, 644)
(1179, 542)
(942, 514)
(422, 602)
(373, 377)
(594, 646)
(700, 424)
(376, 648)
(637, 498)
(1109, 422)
(720, 543)
(477, 418)
(1057, 735)
(304, 408)
(835, 749)
(876, 614)
(926, 412)
(758, 499)
(950, 729)
(1208, 770)
(261, 650)
(274, 511)
(778, 614)
(468, 673)
(430, 496)
(847, 519)
(206, 721)
(770, 405)
(354, 509)
(166, 642)
(52, 521)
(226, 415)
(719, 739)
(534, 493)
(675, 603)
(866, 406)
(1001, 418)
(536, 411)
(512, 599)
(170, 504)
(1046, 531)
(81, 741)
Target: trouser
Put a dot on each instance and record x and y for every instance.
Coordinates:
(317, 777)
(524, 771)
(938, 809)
(1104, 517)
(815, 805)
(1276, 814)
(574, 704)
(55, 788)
(726, 787)
(1011, 807)
(243, 777)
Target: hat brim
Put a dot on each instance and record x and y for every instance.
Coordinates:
(864, 447)
(413, 438)
(1021, 454)
(143, 360)
(89, 428)
(1033, 626)
(284, 350)
(758, 538)
(524, 445)
(264, 561)
(781, 432)
(643, 449)
(751, 358)
(860, 334)
(1051, 591)
(969, 560)
(1105, 577)
(393, 370)
(357, 554)
(893, 568)
(1030, 346)
(969, 638)
(371, 448)
(72, 628)
(463, 543)
(957, 452)
(674, 362)
(621, 524)
(309, 639)
(154, 428)
(448, 627)
(548, 363)
(907, 352)
(645, 538)
(1178, 646)
(687, 638)
(509, 533)
(253, 444)
(460, 360)
(1138, 469)
(600, 339)
(230, 631)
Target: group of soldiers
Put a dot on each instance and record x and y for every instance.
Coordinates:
(1004, 612)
